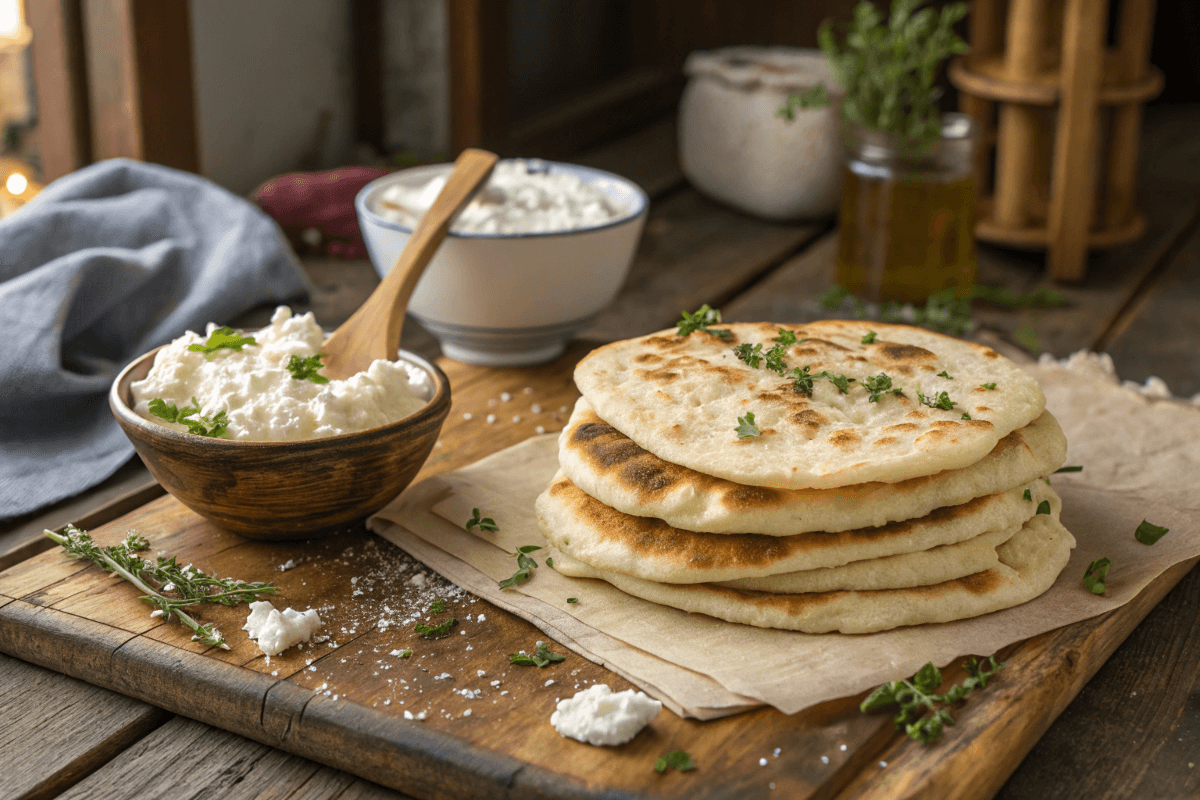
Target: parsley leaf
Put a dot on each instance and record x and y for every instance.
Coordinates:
(1148, 533)
(572, 599)
(751, 354)
(878, 385)
(965, 416)
(201, 426)
(549, 562)
(937, 401)
(944, 374)
(916, 696)
(746, 428)
(222, 339)
(987, 386)
(1069, 469)
(540, 658)
(700, 320)
(1097, 571)
(803, 382)
(1043, 508)
(437, 606)
(774, 359)
(840, 381)
(435, 631)
(305, 369)
(676, 760)
(786, 338)
(485, 523)
(525, 566)
(1028, 495)
(869, 338)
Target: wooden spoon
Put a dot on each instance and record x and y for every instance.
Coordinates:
(373, 331)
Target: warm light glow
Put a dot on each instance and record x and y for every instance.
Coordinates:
(16, 184)
(10, 18)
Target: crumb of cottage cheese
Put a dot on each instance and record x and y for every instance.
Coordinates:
(597, 715)
(263, 401)
(278, 630)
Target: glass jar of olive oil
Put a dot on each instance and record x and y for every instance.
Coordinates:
(908, 213)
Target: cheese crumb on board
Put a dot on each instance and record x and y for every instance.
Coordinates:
(599, 716)
(275, 630)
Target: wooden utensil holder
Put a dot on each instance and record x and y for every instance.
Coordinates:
(1064, 113)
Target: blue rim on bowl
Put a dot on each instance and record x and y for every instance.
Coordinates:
(595, 177)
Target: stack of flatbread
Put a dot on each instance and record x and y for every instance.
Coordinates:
(857, 498)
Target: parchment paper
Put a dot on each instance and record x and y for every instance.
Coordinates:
(1141, 460)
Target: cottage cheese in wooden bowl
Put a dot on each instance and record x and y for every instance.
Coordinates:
(527, 264)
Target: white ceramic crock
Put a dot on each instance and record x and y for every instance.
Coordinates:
(511, 299)
(734, 146)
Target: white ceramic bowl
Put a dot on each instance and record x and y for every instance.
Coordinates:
(511, 299)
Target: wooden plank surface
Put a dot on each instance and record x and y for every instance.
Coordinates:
(86, 725)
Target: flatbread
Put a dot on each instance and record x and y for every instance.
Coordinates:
(643, 547)
(612, 468)
(680, 398)
(1029, 563)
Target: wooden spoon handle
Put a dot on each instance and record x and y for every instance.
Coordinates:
(373, 331)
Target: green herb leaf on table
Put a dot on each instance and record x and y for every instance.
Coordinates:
(988, 386)
(699, 321)
(751, 354)
(937, 401)
(840, 381)
(483, 523)
(405, 654)
(540, 658)
(305, 369)
(435, 631)
(1148, 533)
(213, 427)
(746, 428)
(550, 562)
(869, 338)
(572, 599)
(437, 606)
(525, 566)
(1028, 495)
(917, 696)
(1043, 508)
(222, 339)
(1096, 573)
(677, 759)
(1069, 469)
(802, 382)
(190, 585)
(965, 415)
(944, 374)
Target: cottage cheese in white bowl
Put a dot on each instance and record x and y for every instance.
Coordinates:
(535, 256)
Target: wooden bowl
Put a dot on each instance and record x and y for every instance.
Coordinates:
(284, 490)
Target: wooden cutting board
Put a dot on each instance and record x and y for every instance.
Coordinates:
(345, 705)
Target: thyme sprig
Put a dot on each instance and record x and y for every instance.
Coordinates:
(916, 696)
(193, 586)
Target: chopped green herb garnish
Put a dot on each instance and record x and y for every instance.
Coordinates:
(774, 359)
(201, 426)
(484, 523)
(746, 428)
(305, 369)
(405, 654)
(916, 696)
(869, 338)
(1069, 469)
(944, 374)
(751, 354)
(435, 631)
(572, 599)
(1097, 571)
(987, 386)
(437, 606)
(550, 562)
(802, 381)
(840, 381)
(786, 338)
(878, 385)
(1028, 495)
(937, 401)
(1043, 508)
(965, 415)
(1047, 480)
(700, 320)
(222, 339)
(1148, 533)
(676, 760)
(525, 566)
(540, 658)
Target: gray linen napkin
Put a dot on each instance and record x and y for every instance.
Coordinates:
(103, 265)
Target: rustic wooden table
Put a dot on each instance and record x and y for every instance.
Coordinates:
(1134, 730)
